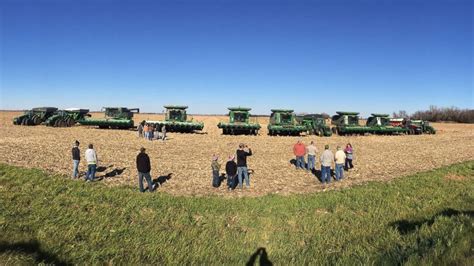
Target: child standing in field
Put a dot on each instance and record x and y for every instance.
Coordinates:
(231, 172)
(349, 156)
(215, 171)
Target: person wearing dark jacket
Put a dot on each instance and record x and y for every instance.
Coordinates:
(76, 159)
(242, 154)
(231, 172)
(144, 168)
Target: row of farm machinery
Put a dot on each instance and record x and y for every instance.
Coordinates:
(281, 122)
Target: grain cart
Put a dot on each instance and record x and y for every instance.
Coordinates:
(35, 116)
(283, 122)
(115, 117)
(239, 122)
(176, 120)
(315, 124)
(347, 123)
(380, 124)
(415, 127)
(67, 117)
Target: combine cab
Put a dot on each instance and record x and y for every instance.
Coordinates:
(347, 123)
(415, 127)
(283, 122)
(315, 124)
(35, 116)
(176, 120)
(115, 117)
(239, 122)
(380, 124)
(67, 117)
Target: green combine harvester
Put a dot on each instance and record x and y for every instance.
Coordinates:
(380, 124)
(115, 117)
(283, 122)
(347, 123)
(67, 117)
(315, 124)
(35, 116)
(239, 122)
(176, 120)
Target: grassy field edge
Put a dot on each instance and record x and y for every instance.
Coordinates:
(424, 218)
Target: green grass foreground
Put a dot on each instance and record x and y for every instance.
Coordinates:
(425, 218)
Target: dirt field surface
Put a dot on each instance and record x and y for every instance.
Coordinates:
(186, 158)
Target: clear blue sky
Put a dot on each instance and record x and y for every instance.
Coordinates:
(312, 56)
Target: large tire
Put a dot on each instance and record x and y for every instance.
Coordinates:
(36, 120)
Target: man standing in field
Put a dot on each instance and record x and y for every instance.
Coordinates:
(242, 154)
(231, 172)
(300, 151)
(76, 159)
(144, 168)
(311, 150)
(91, 158)
(327, 157)
(339, 159)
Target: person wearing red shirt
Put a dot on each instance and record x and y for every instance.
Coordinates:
(300, 151)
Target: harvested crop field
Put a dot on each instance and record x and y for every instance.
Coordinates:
(186, 158)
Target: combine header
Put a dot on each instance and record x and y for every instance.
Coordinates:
(115, 117)
(283, 122)
(176, 120)
(239, 122)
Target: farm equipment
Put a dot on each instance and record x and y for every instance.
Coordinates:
(415, 127)
(315, 124)
(239, 122)
(115, 117)
(35, 116)
(380, 124)
(67, 117)
(176, 120)
(347, 123)
(283, 122)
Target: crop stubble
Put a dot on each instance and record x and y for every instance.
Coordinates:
(188, 156)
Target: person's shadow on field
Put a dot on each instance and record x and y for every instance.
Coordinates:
(262, 252)
(162, 179)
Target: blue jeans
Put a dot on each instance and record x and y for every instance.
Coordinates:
(311, 162)
(326, 174)
(242, 170)
(91, 172)
(75, 168)
(230, 181)
(147, 177)
(300, 163)
(339, 171)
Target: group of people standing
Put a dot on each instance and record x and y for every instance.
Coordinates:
(342, 160)
(235, 171)
(150, 131)
(91, 159)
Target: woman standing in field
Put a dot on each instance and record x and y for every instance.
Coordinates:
(349, 156)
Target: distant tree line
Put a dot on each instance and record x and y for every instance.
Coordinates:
(435, 114)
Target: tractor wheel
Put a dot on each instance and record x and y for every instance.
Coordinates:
(56, 123)
(24, 121)
(71, 122)
(36, 120)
